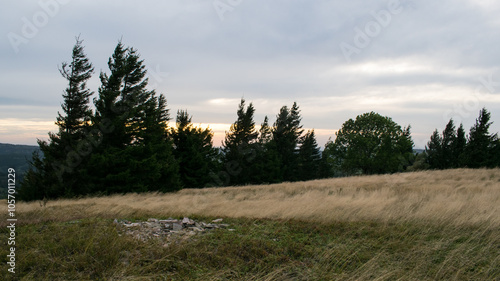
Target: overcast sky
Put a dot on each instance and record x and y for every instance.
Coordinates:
(418, 62)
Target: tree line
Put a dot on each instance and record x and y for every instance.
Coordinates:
(453, 149)
(126, 144)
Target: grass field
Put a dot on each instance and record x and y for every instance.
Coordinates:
(432, 225)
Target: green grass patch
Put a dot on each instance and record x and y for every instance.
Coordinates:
(93, 249)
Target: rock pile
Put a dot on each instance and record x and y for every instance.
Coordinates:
(167, 229)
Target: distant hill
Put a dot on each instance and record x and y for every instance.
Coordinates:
(418, 151)
(17, 157)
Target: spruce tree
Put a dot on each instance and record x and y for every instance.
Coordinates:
(286, 135)
(122, 97)
(76, 106)
(459, 147)
(433, 151)
(239, 146)
(448, 156)
(266, 165)
(193, 150)
(309, 157)
(153, 138)
(265, 132)
(56, 172)
(481, 143)
(134, 154)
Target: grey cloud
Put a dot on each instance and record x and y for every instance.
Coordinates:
(274, 51)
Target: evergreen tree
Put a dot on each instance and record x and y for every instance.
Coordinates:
(193, 151)
(266, 165)
(265, 132)
(309, 157)
(286, 135)
(447, 150)
(55, 172)
(448, 155)
(239, 146)
(155, 141)
(77, 112)
(459, 147)
(134, 154)
(433, 150)
(481, 143)
(495, 154)
(122, 97)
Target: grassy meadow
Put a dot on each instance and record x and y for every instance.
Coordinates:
(430, 225)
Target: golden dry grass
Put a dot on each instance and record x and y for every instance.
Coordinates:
(457, 197)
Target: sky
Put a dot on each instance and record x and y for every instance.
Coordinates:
(418, 62)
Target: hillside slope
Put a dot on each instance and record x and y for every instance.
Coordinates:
(14, 156)
(432, 225)
(461, 196)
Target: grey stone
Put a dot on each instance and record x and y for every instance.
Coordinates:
(177, 226)
(166, 229)
(187, 221)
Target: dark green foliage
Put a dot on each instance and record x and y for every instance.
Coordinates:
(448, 153)
(52, 175)
(371, 144)
(309, 157)
(433, 151)
(420, 162)
(123, 98)
(453, 150)
(459, 147)
(76, 107)
(481, 144)
(36, 183)
(240, 146)
(267, 161)
(286, 136)
(447, 150)
(193, 151)
(135, 153)
(122, 147)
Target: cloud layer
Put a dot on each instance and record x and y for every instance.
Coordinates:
(419, 62)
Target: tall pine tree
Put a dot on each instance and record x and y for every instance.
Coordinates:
(55, 173)
(239, 146)
(433, 150)
(448, 154)
(194, 152)
(309, 157)
(286, 135)
(481, 143)
(459, 148)
(134, 154)
(266, 165)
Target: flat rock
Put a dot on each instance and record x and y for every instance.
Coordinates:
(176, 226)
(166, 229)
